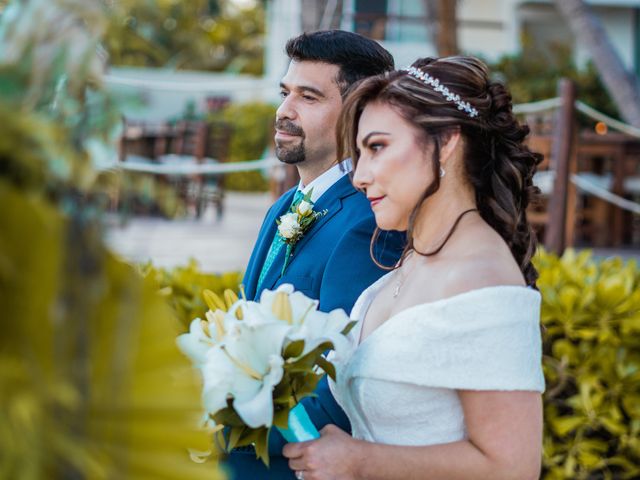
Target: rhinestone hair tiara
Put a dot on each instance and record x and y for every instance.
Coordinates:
(438, 87)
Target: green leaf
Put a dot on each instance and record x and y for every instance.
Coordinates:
(563, 426)
(228, 416)
(249, 436)
(234, 436)
(617, 428)
(306, 363)
(262, 446)
(281, 417)
(307, 196)
(589, 460)
(328, 367)
(348, 328)
(294, 349)
(305, 385)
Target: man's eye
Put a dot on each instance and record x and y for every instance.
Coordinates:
(283, 94)
(309, 98)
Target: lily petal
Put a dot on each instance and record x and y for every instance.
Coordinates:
(195, 344)
(218, 373)
(258, 411)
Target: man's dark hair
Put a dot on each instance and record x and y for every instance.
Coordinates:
(358, 57)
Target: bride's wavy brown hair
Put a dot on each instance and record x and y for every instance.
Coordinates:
(497, 163)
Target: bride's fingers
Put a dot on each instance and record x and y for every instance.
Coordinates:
(294, 450)
(329, 429)
(296, 464)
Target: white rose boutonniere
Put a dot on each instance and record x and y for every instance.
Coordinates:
(289, 226)
(293, 225)
(305, 208)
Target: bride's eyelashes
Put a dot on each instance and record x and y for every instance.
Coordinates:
(375, 146)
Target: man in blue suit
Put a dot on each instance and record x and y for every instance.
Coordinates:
(331, 261)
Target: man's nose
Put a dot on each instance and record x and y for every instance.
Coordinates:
(286, 109)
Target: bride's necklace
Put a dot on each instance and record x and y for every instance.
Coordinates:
(397, 290)
(400, 281)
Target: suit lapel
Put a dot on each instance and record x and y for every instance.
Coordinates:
(332, 202)
(264, 244)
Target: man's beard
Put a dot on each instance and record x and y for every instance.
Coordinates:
(291, 154)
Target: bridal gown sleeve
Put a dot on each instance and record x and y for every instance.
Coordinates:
(399, 385)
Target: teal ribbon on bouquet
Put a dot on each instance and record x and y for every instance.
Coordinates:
(301, 428)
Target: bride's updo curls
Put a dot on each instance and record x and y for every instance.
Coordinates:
(438, 96)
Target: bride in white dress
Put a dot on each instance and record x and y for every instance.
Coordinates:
(444, 377)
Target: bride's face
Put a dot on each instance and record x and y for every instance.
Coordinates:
(393, 167)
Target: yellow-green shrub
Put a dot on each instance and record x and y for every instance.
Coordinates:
(591, 316)
(183, 286)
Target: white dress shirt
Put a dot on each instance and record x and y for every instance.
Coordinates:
(325, 181)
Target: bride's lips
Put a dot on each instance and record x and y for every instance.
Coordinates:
(375, 200)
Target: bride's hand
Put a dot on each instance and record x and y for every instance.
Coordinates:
(332, 457)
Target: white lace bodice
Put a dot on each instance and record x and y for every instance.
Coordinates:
(399, 385)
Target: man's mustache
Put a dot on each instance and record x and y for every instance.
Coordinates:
(289, 127)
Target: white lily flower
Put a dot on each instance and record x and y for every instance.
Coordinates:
(317, 328)
(204, 334)
(253, 313)
(246, 367)
(300, 303)
(218, 373)
(310, 325)
(196, 343)
(241, 360)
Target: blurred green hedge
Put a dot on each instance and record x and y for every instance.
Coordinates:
(252, 134)
(591, 316)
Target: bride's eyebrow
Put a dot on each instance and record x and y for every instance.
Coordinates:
(365, 140)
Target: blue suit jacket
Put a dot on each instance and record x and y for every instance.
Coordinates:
(332, 264)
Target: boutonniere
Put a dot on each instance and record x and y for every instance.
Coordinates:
(294, 224)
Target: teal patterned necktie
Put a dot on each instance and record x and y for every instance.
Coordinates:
(276, 245)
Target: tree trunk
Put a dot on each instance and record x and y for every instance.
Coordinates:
(312, 14)
(446, 34)
(431, 24)
(621, 84)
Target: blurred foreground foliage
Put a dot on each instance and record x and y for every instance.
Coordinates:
(591, 343)
(92, 384)
(91, 381)
(183, 287)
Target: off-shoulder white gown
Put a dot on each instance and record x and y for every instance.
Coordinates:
(399, 385)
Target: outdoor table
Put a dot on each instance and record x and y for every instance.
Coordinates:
(623, 151)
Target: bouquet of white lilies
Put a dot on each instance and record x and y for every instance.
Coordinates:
(259, 359)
